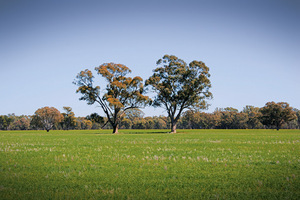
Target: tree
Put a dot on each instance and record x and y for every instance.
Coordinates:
(230, 118)
(86, 124)
(130, 117)
(298, 118)
(69, 120)
(240, 120)
(276, 114)
(5, 121)
(253, 117)
(96, 119)
(48, 117)
(35, 123)
(226, 119)
(134, 114)
(199, 120)
(122, 93)
(126, 123)
(190, 120)
(179, 86)
(21, 123)
(159, 123)
(231, 109)
(139, 124)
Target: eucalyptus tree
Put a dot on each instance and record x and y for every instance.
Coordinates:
(180, 86)
(277, 114)
(122, 93)
(47, 117)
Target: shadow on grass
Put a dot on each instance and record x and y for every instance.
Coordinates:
(130, 131)
(148, 132)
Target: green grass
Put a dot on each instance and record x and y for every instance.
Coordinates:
(150, 164)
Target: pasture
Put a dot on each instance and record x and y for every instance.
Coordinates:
(150, 164)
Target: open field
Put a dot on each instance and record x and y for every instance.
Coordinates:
(192, 164)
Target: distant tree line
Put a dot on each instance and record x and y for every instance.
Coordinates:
(250, 117)
(48, 118)
(271, 116)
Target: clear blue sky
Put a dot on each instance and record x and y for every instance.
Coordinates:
(251, 47)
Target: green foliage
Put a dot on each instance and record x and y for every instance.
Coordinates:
(134, 114)
(96, 119)
(179, 86)
(199, 120)
(36, 123)
(5, 122)
(13, 122)
(253, 117)
(222, 118)
(230, 109)
(69, 120)
(298, 118)
(276, 114)
(82, 123)
(193, 164)
(231, 119)
(20, 123)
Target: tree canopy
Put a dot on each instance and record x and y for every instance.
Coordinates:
(276, 114)
(48, 116)
(180, 86)
(122, 92)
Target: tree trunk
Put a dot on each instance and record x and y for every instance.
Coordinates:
(173, 127)
(278, 125)
(116, 129)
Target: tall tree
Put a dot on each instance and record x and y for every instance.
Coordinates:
(48, 117)
(179, 86)
(276, 114)
(122, 93)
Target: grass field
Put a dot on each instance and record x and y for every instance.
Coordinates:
(139, 164)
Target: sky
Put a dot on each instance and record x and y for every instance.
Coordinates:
(251, 47)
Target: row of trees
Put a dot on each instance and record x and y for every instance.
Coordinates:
(48, 118)
(272, 115)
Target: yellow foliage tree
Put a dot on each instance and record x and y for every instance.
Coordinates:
(48, 116)
(122, 93)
